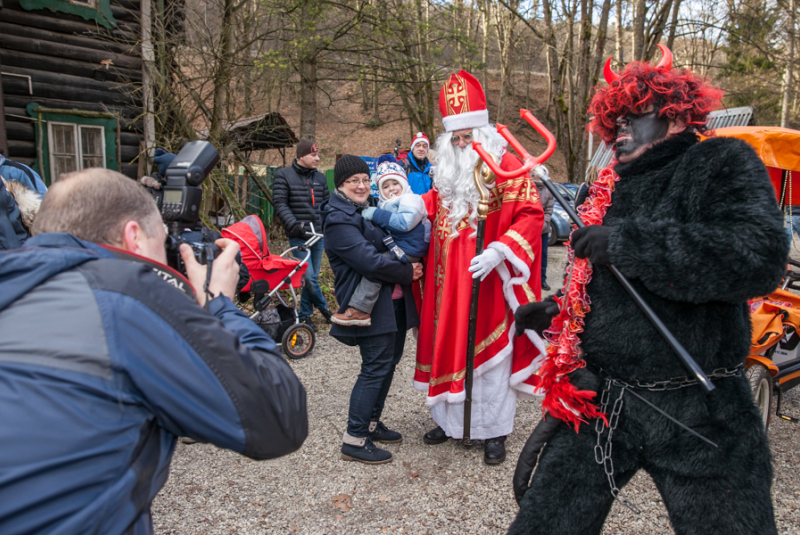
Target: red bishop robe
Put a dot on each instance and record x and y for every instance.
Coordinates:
(514, 229)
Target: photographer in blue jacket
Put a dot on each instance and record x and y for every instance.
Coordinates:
(108, 356)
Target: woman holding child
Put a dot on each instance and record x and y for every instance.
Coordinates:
(357, 252)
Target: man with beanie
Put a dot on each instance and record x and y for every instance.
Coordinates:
(418, 168)
(298, 192)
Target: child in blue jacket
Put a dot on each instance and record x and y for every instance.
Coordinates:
(403, 215)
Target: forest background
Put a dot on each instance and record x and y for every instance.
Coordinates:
(354, 75)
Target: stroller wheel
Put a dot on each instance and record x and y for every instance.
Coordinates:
(761, 384)
(298, 341)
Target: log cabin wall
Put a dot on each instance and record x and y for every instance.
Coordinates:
(77, 71)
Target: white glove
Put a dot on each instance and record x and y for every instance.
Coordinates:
(484, 263)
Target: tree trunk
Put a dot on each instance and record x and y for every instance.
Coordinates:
(308, 99)
(620, 45)
(485, 44)
(788, 74)
(639, 16)
(673, 27)
(222, 76)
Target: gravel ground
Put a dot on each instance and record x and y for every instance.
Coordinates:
(440, 489)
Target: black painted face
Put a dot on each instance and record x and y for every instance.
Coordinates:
(635, 132)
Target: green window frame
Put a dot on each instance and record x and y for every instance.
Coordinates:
(48, 119)
(96, 10)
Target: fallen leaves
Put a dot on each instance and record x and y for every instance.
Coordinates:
(342, 502)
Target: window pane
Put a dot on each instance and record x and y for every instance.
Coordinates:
(63, 139)
(92, 146)
(63, 149)
(65, 164)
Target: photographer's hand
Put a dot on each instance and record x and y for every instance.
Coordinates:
(224, 272)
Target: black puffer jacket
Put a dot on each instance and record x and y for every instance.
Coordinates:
(298, 193)
(697, 230)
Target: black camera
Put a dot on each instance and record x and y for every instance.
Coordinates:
(181, 199)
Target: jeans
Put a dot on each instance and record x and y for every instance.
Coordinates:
(545, 239)
(312, 295)
(379, 357)
(792, 225)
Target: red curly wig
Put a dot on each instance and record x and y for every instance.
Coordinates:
(677, 93)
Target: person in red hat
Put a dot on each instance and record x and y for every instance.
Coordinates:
(509, 269)
(417, 167)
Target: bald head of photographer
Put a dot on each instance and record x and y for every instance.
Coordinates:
(109, 356)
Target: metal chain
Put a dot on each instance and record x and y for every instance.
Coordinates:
(602, 453)
(682, 382)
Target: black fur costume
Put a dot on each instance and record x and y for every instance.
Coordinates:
(696, 228)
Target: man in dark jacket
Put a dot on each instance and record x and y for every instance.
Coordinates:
(129, 361)
(548, 201)
(298, 192)
(696, 229)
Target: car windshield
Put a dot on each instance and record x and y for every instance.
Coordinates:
(567, 191)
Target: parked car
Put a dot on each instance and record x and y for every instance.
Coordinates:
(560, 224)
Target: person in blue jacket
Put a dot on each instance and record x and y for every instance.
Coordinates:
(402, 214)
(108, 356)
(354, 247)
(418, 168)
(11, 170)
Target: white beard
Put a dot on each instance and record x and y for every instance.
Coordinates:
(454, 174)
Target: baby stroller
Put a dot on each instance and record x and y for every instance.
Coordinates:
(270, 273)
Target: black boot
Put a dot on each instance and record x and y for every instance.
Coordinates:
(494, 451)
(435, 436)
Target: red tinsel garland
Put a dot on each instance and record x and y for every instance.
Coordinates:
(562, 399)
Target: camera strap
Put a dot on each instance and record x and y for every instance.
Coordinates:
(167, 274)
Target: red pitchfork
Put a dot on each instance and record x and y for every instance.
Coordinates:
(529, 162)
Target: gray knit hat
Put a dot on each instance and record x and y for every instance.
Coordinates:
(347, 166)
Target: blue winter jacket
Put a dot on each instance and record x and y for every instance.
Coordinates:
(419, 175)
(11, 170)
(102, 365)
(406, 220)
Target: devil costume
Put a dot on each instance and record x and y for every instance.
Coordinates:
(696, 228)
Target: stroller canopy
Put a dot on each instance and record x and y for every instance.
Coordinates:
(249, 233)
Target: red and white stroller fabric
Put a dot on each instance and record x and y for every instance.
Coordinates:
(249, 233)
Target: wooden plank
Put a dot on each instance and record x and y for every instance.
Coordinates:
(46, 48)
(18, 86)
(64, 38)
(49, 20)
(18, 101)
(11, 112)
(25, 60)
(21, 149)
(20, 131)
(130, 170)
(130, 5)
(129, 152)
(124, 15)
(130, 138)
(77, 82)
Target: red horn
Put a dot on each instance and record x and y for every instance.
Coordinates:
(609, 74)
(666, 58)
